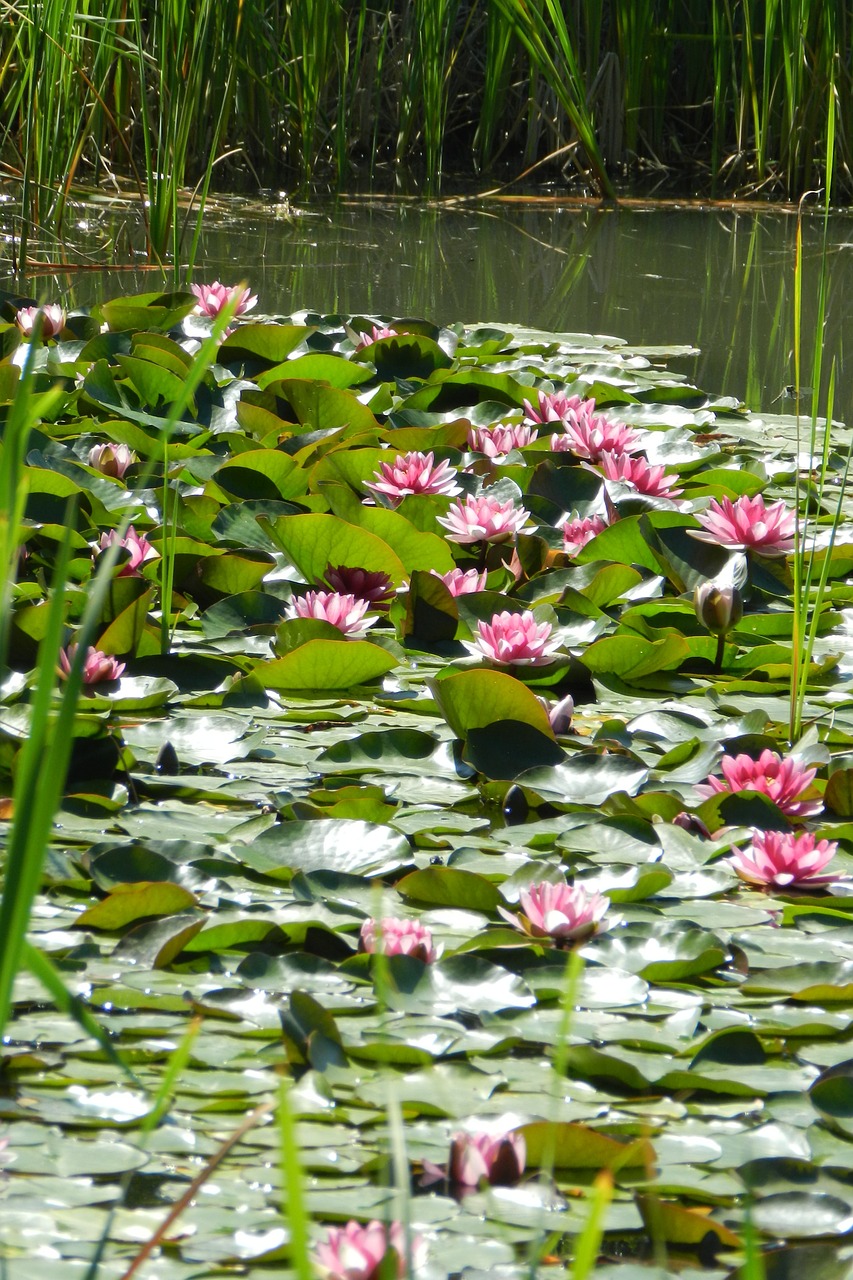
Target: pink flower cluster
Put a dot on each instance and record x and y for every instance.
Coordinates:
(782, 779)
(413, 473)
(345, 612)
(605, 444)
(563, 912)
(515, 639)
(392, 936)
(782, 858)
(747, 524)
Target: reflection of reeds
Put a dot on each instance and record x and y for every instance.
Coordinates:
(728, 91)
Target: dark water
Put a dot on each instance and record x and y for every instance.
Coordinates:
(720, 280)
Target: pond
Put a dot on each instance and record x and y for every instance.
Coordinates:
(719, 279)
(616, 933)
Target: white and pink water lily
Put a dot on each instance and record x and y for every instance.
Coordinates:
(51, 316)
(579, 531)
(345, 612)
(112, 459)
(412, 473)
(500, 439)
(591, 436)
(565, 913)
(556, 406)
(357, 1252)
(637, 474)
(397, 936)
(784, 779)
(463, 582)
(783, 858)
(212, 298)
(483, 519)
(748, 525)
(496, 1159)
(515, 639)
(139, 549)
(98, 667)
(376, 334)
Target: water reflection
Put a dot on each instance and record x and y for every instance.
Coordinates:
(721, 280)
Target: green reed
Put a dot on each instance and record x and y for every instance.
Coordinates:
(727, 91)
(43, 758)
(811, 570)
(54, 75)
(313, 41)
(185, 81)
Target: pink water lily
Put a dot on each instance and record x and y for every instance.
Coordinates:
(343, 611)
(136, 544)
(496, 1158)
(577, 533)
(783, 858)
(563, 912)
(499, 440)
(783, 779)
(52, 320)
(413, 473)
(356, 1252)
(393, 936)
(213, 297)
(463, 582)
(637, 474)
(591, 436)
(515, 639)
(556, 407)
(482, 519)
(98, 667)
(371, 585)
(112, 459)
(747, 524)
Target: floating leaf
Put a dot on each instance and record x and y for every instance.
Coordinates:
(326, 664)
(135, 901)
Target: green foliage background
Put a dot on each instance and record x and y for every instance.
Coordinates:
(725, 94)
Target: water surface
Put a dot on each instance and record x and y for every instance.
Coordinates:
(721, 280)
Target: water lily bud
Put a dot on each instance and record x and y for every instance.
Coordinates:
(560, 713)
(718, 608)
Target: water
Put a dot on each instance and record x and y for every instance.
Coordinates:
(721, 280)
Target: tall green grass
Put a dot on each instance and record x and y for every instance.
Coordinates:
(163, 97)
(811, 567)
